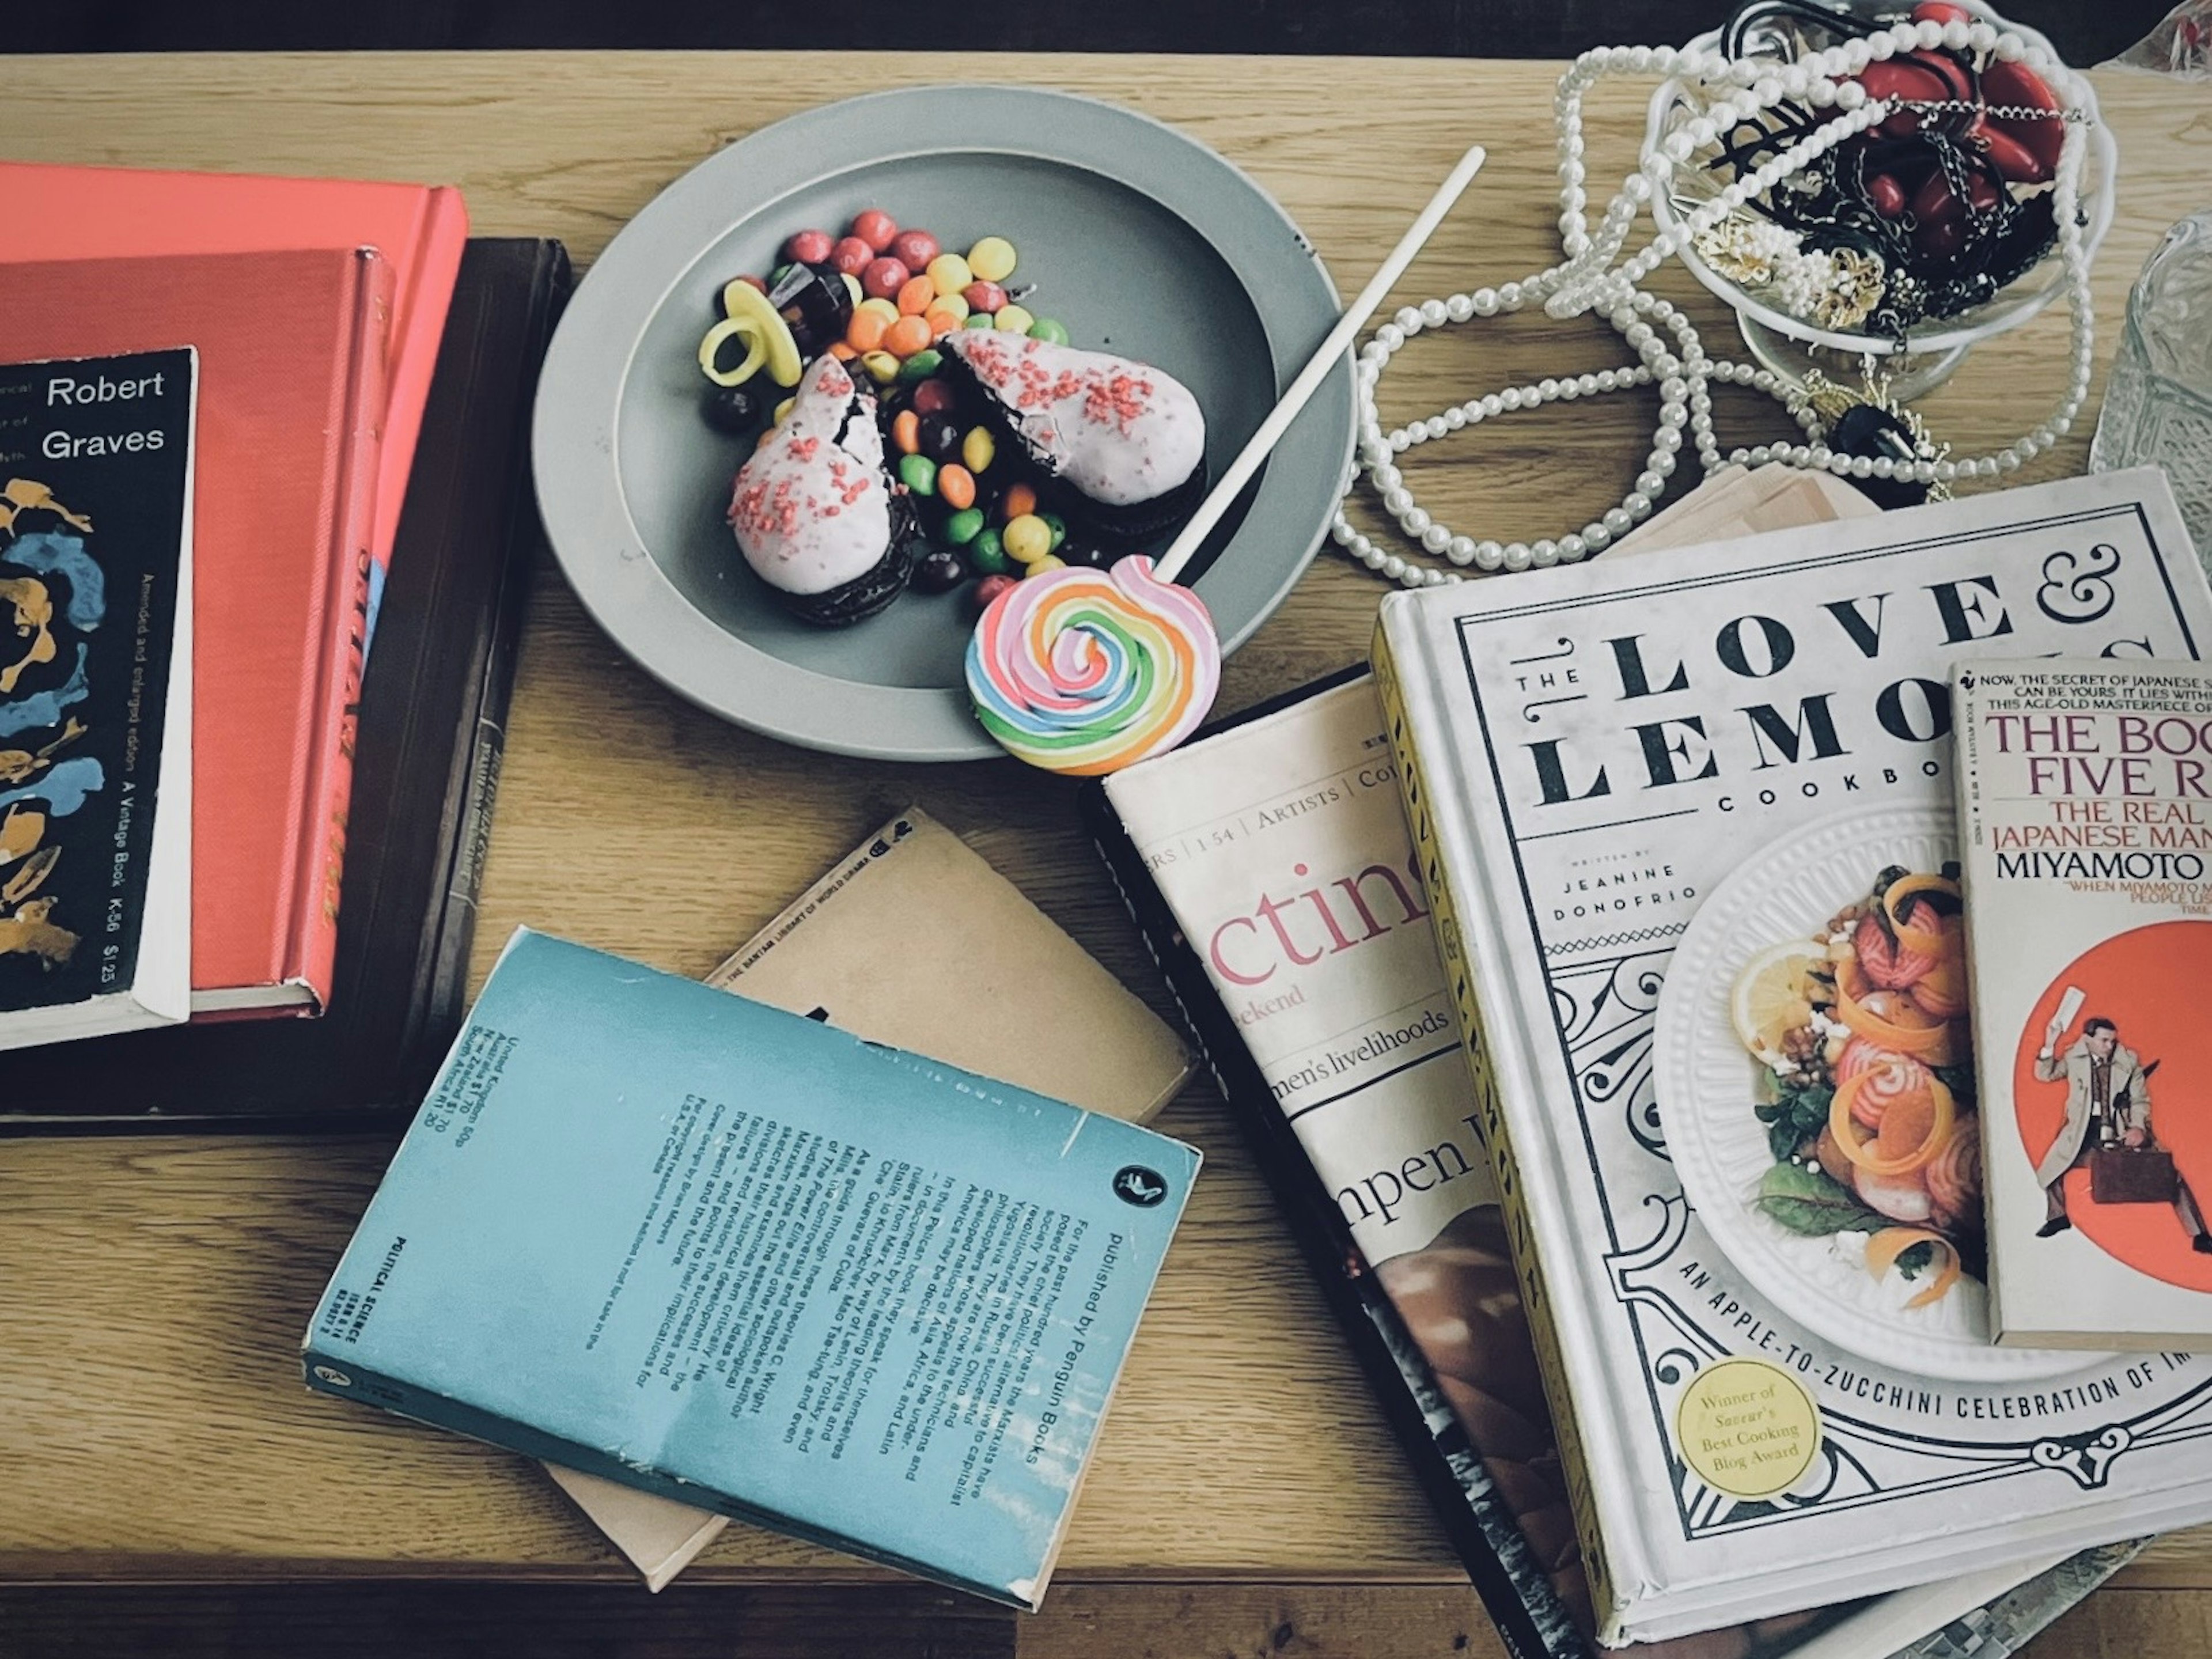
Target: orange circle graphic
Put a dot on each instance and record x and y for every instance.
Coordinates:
(2149, 982)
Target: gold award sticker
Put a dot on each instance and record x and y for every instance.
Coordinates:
(1747, 1428)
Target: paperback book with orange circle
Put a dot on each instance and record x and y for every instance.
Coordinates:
(2085, 792)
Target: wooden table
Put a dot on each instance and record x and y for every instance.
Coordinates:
(152, 1291)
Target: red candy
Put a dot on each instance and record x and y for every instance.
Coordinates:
(883, 278)
(851, 256)
(876, 228)
(808, 247)
(915, 248)
(986, 297)
(989, 589)
(932, 398)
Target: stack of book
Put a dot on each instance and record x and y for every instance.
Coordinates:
(1537, 963)
(257, 428)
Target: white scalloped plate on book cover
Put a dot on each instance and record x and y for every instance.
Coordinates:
(1707, 1082)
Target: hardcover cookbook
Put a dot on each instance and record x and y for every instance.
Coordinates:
(2085, 810)
(1764, 1343)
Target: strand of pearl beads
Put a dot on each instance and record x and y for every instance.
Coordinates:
(1736, 90)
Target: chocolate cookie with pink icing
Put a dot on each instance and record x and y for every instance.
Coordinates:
(1123, 443)
(814, 512)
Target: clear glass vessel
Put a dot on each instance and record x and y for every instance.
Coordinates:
(2158, 401)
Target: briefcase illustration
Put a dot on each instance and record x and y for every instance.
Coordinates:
(2132, 1174)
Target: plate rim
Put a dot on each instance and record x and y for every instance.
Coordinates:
(1676, 1042)
(575, 451)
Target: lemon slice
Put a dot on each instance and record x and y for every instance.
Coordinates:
(1770, 999)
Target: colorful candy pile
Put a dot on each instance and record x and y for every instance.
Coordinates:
(880, 298)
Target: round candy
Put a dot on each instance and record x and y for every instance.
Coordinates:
(932, 396)
(948, 273)
(906, 336)
(1028, 538)
(882, 366)
(875, 227)
(732, 409)
(906, 431)
(1058, 526)
(865, 331)
(1047, 563)
(921, 366)
(991, 259)
(987, 554)
(1050, 330)
(956, 485)
(1019, 499)
(963, 526)
(851, 256)
(883, 278)
(1084, 672)
(1012, 319)
(842, 352)
(986, 297)
(808, 247)
(915, 248)
(940, 437)
(939, 571)
(978, 320)
(918, 474)
(990, 588)
(978, 449)
(953, 305)
(914, 297)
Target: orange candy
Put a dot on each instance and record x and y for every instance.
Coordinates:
(942, 320)
(865, 333)
(1018, 500)
(956, 487)
(906, 336)
(843, 352)
(915, 295)
(906, 431)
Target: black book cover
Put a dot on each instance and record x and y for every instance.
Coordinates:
(95, 477)
(1476, 1517)
(426, 767)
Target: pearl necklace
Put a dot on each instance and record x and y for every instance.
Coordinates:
(1588, 279)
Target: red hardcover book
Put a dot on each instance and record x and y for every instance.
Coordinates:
(293, 388)
(70, 213)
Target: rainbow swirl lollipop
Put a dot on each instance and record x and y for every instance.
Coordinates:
(1086, 672)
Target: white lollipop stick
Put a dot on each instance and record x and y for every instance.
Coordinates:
(1317, 369)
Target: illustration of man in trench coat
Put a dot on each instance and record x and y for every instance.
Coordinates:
(2107, 1105)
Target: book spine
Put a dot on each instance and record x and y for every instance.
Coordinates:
(311, 953)
(1512, 1190)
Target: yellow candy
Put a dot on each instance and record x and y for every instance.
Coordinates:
(948, 273)
(991, 259)
(782, 409)
(978, 449)
(954, 306)
(883, 309)
(1027, 539)
(883, 368)
(1051, 561)
(1012, 319)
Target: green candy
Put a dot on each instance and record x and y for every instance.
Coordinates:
(1058, 526)
(920, 367)
(1050, 330)
(963, 526)
(979, 319)
(919, 473)
(987, 554)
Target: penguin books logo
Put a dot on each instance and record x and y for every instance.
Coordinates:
(333, 1376)
(1134, 1184)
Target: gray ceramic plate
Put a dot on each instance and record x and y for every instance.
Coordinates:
(1143, 241)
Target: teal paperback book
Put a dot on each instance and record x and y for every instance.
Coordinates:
(657, 1231)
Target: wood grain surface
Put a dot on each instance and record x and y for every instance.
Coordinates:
(152, 1291)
